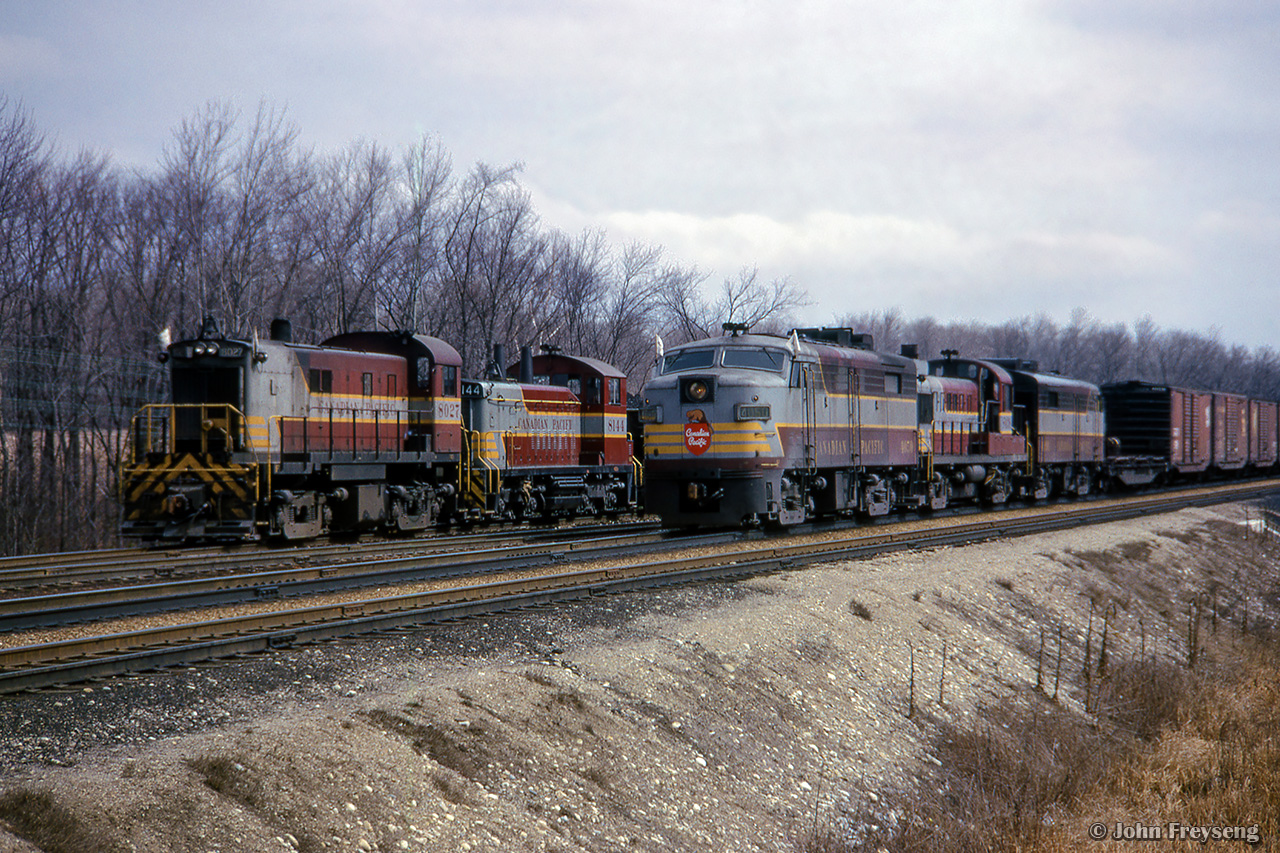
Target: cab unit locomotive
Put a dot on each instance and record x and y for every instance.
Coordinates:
(752, 428)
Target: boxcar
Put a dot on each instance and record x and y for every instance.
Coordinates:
(1147, 420)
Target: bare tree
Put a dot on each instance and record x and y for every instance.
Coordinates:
(742, 299)
(425, 184)
(885, 327)
(356, 236)
(493, 261)
(1113, 352)
(258, 263)
(195, 172)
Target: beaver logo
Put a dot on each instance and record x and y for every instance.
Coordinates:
(697, 433)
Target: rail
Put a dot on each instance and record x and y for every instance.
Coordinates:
(34, 667)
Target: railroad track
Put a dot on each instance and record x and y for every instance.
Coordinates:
(59, 662)
(71, 608)
(131, 565)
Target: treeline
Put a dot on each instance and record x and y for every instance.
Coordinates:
(240, 222)
(1086, 348)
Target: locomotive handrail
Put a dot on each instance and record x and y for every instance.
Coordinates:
(464, 465)
(153, 430)
(924, 447)
(636, 465)
(473, 453)
(166, 441)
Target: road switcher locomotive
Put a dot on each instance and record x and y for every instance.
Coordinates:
(369, 431)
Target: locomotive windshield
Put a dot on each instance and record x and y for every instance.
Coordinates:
(206, 385)
(754, 359)
(689, 359)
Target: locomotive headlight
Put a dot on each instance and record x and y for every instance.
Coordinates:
(698, 390)
(200, 349)
(211, 349)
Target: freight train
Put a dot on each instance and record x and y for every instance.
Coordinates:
(369, 431)
(380, 431)
(764, 429)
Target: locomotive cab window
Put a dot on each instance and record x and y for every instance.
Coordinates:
(754, 359)
(449, 380)
(320, 381)
(198, 385)
(893, 383)
(690, 359)
(366, 384)
(615, 392)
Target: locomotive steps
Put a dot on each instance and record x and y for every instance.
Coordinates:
(705, 717)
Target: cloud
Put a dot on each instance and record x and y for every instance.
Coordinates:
(25, 56)
(979, 151)
(857, 245)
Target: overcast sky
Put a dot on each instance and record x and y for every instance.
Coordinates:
(963, 159)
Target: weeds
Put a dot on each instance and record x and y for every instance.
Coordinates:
(1166, 744)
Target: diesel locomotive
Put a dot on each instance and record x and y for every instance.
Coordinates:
(369, 431)
(765, 429)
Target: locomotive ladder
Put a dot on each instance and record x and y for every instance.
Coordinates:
(478, 477)
(924, 447)
(855, 417)
(1191, 437)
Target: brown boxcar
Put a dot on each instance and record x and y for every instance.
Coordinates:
(1262, 433)
(1230, 431)
(1158, 421)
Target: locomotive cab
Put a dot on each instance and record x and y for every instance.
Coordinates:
(191, 469)
(713, 452)
(994, 387)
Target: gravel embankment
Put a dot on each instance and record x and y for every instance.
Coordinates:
(718, 717)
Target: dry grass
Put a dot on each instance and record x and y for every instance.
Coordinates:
(857, 608)
(1166, 745)
(1217, 765)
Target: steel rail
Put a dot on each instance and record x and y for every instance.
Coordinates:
(34, 667)
(44, 611)
(96, 566)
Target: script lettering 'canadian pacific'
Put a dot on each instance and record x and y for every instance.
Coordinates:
(697, 437)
